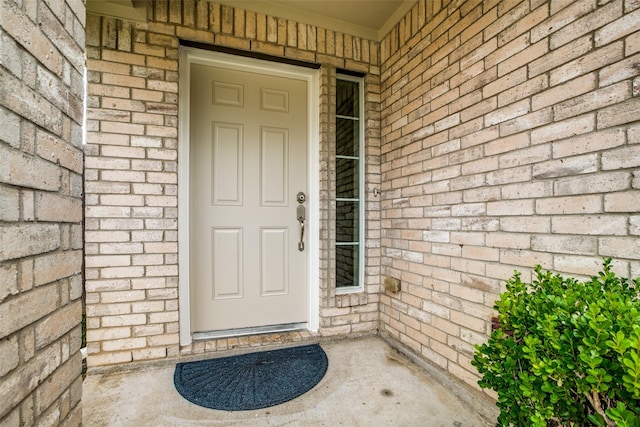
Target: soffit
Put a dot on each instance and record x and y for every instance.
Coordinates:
(133, 10)
(369, 19)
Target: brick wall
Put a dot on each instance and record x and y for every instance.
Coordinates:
(41, 114)
(132, 182)
(510, 137)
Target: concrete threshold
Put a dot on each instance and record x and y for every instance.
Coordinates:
(368, 383)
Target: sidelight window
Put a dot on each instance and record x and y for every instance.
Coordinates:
(349, 184)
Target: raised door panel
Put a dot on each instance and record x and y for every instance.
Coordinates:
(274, 261)
(228, 94)
(227, 164)
(274, 166)
(226, 266)
(274, 100)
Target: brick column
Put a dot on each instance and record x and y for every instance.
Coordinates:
(41, 115)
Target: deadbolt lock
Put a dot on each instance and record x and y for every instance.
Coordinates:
(301, 197)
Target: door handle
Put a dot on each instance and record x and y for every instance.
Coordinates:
(300, 211)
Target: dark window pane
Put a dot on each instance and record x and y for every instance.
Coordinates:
(347, 266)
(347, 98)
(347, 221)
(347, 178)
(347, 137)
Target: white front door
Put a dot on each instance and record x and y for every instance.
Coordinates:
(248, 161)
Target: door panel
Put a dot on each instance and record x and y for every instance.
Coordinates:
(248, 147)
(274, 161)
(227, 257)
(274, 261)
(226, 164)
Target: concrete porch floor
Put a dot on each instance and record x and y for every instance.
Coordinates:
(368, 383)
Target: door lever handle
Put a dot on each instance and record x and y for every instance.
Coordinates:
(301, 217)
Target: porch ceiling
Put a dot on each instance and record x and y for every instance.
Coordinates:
(370, 19)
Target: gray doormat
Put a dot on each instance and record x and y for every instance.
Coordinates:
(251, 381)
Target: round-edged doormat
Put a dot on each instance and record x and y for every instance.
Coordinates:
(251, 381)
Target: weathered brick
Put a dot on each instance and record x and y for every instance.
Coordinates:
(508, 240)
(111, 358)
(122, 200)
(150, 353)
(566, 167)
(524, 24)
(10, 356)
(590, 225)
(564, 129)
(591, 142)
(123, 176)
(57, 324)
(530, 86)
(586, 24)
(520, 60)
(18, 241)
(107, 261)
(627, 201)
(121, 272)
(53, 207)
(516, 13)
(121, 296)
(525, 258)
(628, 157)
(105, 138)
(526, 122)
(622, 113)
(10, 208)
(27, 308)
(59, 151)
(507, 113)
(580, 204)
(56, 266)
(625, 25)
(619, 72)
(632, 44)
(589, 62)
(28, 171)
(587, 265)
(103, 334)
(510, 207)
(525, 156)
(124, 319)
(24, 31)
(619, 247)
(634, 227)
(8, 280)
(602, 183)
(19, 383)
(562, 17)
(559, 56)
(558, 94)
(579, 245)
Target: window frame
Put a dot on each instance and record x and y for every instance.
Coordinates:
(361, 185)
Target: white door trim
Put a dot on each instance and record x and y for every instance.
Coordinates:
(187, 57)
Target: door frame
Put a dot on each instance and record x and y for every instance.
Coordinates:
(188, 56)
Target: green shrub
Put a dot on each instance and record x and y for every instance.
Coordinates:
(566, 353)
